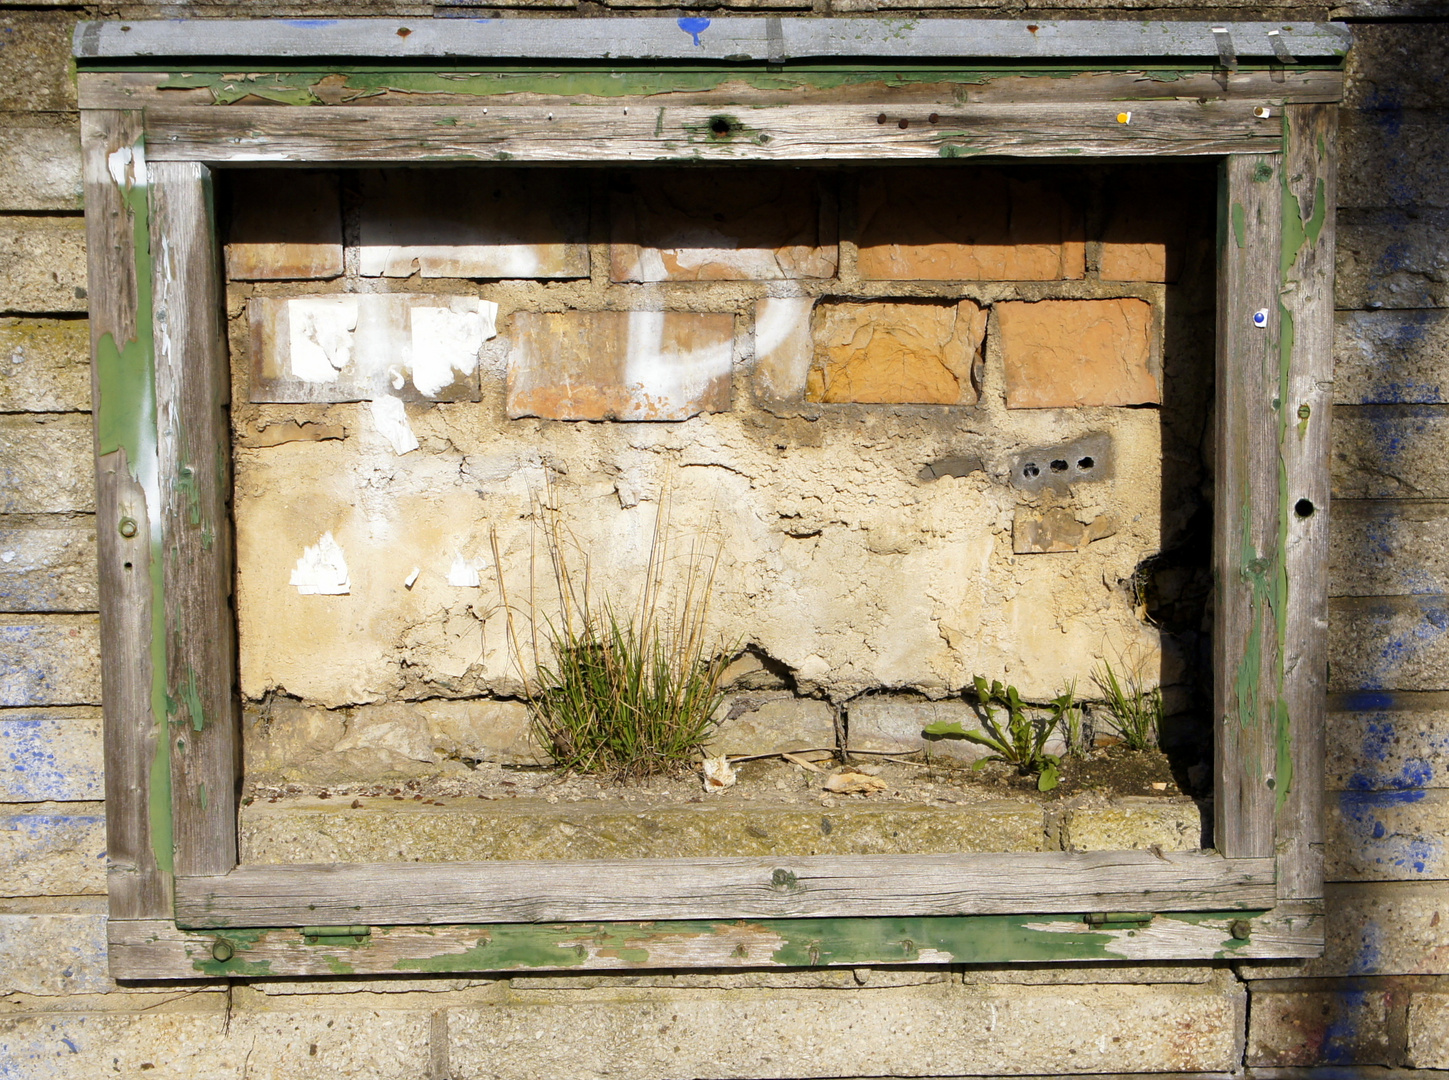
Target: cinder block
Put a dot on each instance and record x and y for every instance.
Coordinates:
(900, 353)
(42, 263)
(966, 225)
(620, 365)
(1391, 357)
(44, 364)
(1428, 1030)
(528, 223)
(1388, 643)
(891, 724)
(1397, 65)
(48, 566)
(768, 723)
(40, 165)
(284, 225)
(1394, 258)
(1390, 451)
(46, 464)
(693, 225)
(52, 854)
(51, 956)
(50, 660)
(1134, 823)
(1300, 1028)
(36, 58)
(1393, 157)
(911, 1031)
(1387, 836)
(1381, 741)
(1069, 353)
(1388, 548)
(51, 756)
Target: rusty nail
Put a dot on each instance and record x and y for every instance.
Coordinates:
(221, 950)
(881, 119)
(1240, 929)
(127, 528)
(934, 118)
(903, 124)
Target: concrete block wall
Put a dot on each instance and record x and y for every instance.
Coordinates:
(1378, 999)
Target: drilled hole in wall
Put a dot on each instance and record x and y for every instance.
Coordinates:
(1059, 465)
(1303, 508)
(1031, 472)
(1085, 463)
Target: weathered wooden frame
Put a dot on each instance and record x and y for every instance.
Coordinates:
(182, 907)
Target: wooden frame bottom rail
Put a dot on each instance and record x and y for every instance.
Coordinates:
(157, 949)
(402, 894)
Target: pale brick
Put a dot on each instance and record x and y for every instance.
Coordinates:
(784, 349)
(1428, 1030)
(527, 223)
(1134, 823)
(894, 725)
(921, 1031)
(50, 660)
(771, 723)
(621, 365)
(1392, 258)
(1380, 741)
(311, 1044)
(1388, 548)
(44, 365)
(1391, 357)
(901, 353)
(1396, 66)
(1069, 353)
(1390, 451)
(284, 225)
(40, 166)
(49, 854)
(42, 264)
(48, 566)
(1387, 836)
(51, 756)
(693, 225)
(52, 956)
(967, 225)
(35, 56)
(1290, 1028)
(46, 464)
(1393, 158)
(1388, 643)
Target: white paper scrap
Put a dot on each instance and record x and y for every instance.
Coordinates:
(463, 575)
(444, 340)
(320, 336)
(392, 421)
(322, 570)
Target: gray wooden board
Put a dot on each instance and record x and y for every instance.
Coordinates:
(726, 888)
(1246, 542)
(587, 134)
(193, 383)
(770, 39)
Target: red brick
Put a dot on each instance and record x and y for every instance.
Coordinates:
(1066, 353)
(902, 353)
(966, 224)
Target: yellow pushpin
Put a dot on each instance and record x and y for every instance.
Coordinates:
(1124, 118)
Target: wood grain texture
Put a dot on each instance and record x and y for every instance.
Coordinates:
(138, 881)
(598, 133)
(192, 390)
(808, 887)
(1247, 545)
(1310, 196)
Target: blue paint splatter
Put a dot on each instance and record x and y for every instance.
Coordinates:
(74, 1049)
(1366, 700)
(1370, 838)
(694, 26)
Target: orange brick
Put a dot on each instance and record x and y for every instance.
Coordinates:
(284, 226)
(723, 225)
(1065, 353)
(898, 353)
(966, 224)
(1150, 215)
(620, 365)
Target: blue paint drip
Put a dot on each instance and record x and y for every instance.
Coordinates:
(1371, 838)
(694, 26)
(1341, 1033)
(313, 24)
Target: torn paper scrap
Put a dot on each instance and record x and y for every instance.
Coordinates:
(322, 570)
(463, 575)
(320, 336)
(444, 341)
(392, 420)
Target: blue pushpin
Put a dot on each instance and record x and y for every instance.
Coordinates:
(1260, 318)
(694, 26)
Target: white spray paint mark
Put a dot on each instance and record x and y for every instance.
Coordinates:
(671, 380)
(321, 336)
(322, 570)
(9, 556)
(392, 421)
(412, 579)
(445, 340)
(462, 575)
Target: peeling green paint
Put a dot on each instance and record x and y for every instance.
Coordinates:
(240, 942)
(510, 946)
(1240, 225)
(191, 696)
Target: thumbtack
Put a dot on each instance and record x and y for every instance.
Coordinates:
(1124, 118)
(1260, 318)
(1262, 112)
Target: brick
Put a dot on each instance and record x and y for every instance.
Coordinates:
(1388, 643)
(1388, 548)
(42, 264)
(528, 223)
(35, 56)
(1381, 741)
(1396, 66)
(50, 660)
(1390, 451)
(1145, 236)
(1387, 836)
(1428, 1030)
(1392, 258)
(304, 1044)
(276, 235)
(620, 365)
(976, 225)
(768, 723)
(1393, 158)
(40, 165)
(1391, 357)
(52, 854)
(51, 756)
(923, 1031)
(44, 365)
(900, 353)
(51, 956)
(46, 464)
(48, 566)
(1069, 353)
(1134, 823)
(894, 725)
(1290, 1028)
(692, 225)
(1056, 530)
(784, 348)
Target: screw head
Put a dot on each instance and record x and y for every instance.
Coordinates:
(221, 950)
(127, 527)
(1240, 929)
